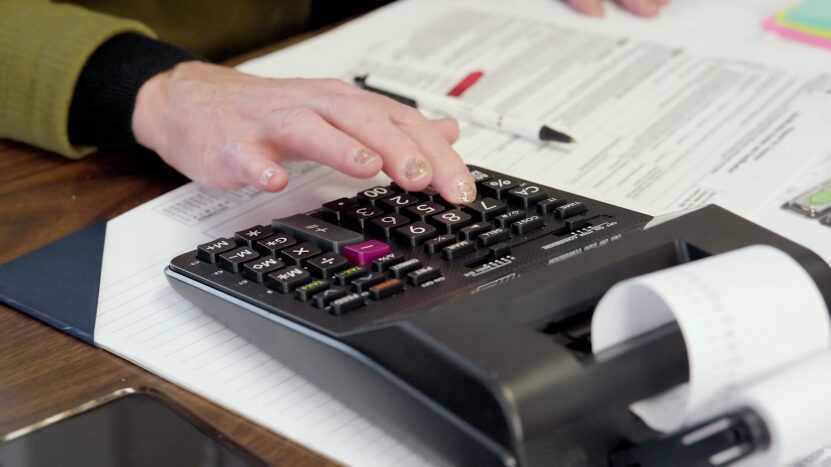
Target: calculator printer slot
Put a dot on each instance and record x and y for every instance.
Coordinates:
(493, 365)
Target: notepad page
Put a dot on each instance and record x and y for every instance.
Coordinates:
(143, 320)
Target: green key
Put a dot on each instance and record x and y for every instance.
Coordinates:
(305, 292)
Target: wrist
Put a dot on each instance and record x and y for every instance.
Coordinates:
(148, 113)
(104, 100)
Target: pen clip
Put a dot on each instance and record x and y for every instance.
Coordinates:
(360, 80)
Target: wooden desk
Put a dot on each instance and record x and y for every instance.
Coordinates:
(44, 197)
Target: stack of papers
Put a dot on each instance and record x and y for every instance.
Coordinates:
(808, 22)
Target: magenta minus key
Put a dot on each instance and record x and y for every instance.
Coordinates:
(363, 253)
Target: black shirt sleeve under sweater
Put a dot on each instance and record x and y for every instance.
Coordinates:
(102, 105)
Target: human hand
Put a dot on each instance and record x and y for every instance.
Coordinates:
(638, 7)
(227, 129)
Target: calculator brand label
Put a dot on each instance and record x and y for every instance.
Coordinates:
(494, 283)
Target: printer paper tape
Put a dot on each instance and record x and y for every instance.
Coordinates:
(794, 406)
(744, 315)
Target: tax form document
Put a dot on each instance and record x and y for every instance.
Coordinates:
(601, 79)
(662, 124)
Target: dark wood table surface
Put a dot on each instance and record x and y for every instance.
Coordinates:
(44, 197)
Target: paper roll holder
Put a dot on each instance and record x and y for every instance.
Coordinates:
(514, 362)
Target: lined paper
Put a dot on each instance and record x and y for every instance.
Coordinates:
(143, 320)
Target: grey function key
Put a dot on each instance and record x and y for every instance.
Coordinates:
(528, 224)
(211, 250)
(499, 234)
(321, 233)
(232, 260)
(251, 235)
(258, 269)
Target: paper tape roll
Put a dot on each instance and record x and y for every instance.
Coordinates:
(793, 404)
(743, 314)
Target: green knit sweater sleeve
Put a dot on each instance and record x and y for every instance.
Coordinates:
(43, 48)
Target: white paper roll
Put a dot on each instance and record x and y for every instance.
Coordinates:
(794, 405)
(743, 314)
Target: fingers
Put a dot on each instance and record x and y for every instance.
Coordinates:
(647, 8)
(448, 128)
(250, 165)
(588, 7)
(451, 177)
(260, 171)
(303, 132)
(404, 160)
(416, 151)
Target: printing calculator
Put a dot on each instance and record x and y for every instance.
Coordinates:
(384, 253)
(465, 330)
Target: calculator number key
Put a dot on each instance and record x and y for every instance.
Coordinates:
(451, 221)
(399, 201)
(423, 211)
(373, 195)
(388, 223)
(359, 217)
(415, 234)
(486, 209)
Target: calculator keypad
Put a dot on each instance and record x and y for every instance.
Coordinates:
(355, 253)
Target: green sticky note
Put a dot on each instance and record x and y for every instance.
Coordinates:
(821, 198)
(812, 14)
(782, 19)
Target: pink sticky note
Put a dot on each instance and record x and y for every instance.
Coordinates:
(772, 25)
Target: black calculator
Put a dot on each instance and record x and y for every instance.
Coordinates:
(465, 331)
(384, 253)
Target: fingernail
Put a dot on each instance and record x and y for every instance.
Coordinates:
(465, 191)
(364, 158)
(416, 169)
(266, 177)
(594, 9)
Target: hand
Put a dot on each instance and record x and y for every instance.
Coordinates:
(227, 129)
(638, 7)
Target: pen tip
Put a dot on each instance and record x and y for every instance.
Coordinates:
(549, 134)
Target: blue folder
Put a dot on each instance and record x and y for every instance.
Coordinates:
(59, 283)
